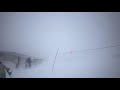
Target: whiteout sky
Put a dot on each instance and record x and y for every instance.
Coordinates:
(39, 34)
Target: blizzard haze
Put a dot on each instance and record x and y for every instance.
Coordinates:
(40, 34)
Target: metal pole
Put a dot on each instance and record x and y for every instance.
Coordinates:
(55, 59)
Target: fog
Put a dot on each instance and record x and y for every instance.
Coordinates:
(40, 34)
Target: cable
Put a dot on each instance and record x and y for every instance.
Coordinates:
(94, 49)
(82, 51)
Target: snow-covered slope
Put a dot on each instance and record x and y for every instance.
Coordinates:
(74, 65)
(40, 34)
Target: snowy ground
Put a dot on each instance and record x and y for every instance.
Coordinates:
(101, 63)
(40, 34)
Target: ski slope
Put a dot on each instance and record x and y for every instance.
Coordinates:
(40, 34)
(75, 65)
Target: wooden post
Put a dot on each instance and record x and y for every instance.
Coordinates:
(18, 63)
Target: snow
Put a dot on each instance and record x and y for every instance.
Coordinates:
(40, 34)
(76, 65)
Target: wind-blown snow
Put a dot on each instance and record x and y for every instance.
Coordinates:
(40, 34)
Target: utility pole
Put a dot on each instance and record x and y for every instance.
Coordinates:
(55, 59)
